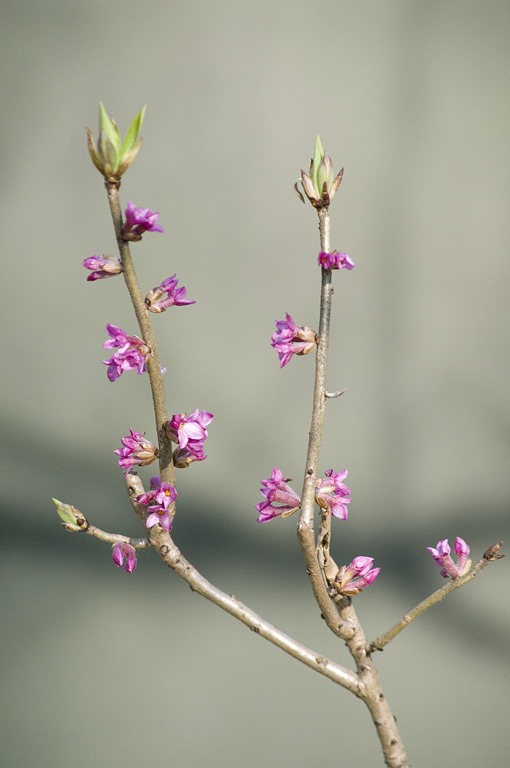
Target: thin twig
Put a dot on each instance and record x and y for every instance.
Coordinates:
(113, 538)
(489, 556)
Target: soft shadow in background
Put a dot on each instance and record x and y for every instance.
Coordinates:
(103, 668)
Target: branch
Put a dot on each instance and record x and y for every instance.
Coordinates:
(373, 694)
(317, 557)
(305, 532)
(153, 364)
(489, 556)
(174, 559)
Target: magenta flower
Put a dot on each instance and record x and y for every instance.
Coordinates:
(442, 557)
(190, 432)
(123, 550)
(138, 221)
(159, 500)
(331, 492)
(277, 492)
(136, 451)
(132, 353)
(335, 260)
(352, 578)
(290, 339)
(174, 295)
(103, 266)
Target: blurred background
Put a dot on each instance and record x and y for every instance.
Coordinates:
(102, 668)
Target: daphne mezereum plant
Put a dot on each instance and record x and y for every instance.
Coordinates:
(180, 440)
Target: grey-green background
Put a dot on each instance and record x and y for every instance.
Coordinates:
(101, 668)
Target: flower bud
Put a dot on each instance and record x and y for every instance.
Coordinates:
(102, 267)
(121, 550)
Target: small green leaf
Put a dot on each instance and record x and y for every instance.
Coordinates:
(133, 134)
(65, 512)
(107, 125)
(317, 159)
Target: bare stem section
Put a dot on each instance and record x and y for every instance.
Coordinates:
(372, 691)
(114, 538)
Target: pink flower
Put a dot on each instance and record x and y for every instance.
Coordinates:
(136, 451)
(174, 295)
(290, 339)
(277, 492)
(190, 431)
(123, 550)
(132, 353)
(352, 578)
(103, 266)
(159, 498)
(331, 492)
(335, 260)
(442, 557)
(138, 221)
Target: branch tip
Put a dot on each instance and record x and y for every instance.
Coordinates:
(492, 553)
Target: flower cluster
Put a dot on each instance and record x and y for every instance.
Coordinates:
(174, 295)
(335, 260)
(102, 266)
(290, 339)
(139, 220)
(136, 451)
(332, 494)
(189, 432)
(352, 578)
(123, 550)
(159, 501)
(132, 353)
(443, 558)
(280, 499)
